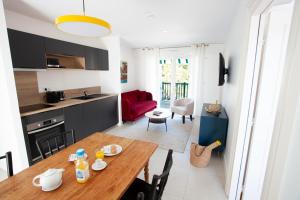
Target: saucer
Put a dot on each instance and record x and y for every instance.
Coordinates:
(53, 188)
(100, 166)
(107, 151)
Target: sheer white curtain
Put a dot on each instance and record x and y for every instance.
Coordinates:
(196, 89)
(149, 71)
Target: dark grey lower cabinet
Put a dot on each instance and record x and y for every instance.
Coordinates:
(90, 117)
(101, 114)
(74, 120)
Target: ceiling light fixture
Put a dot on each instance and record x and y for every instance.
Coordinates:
(83, 25)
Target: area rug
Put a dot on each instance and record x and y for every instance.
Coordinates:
(175, 138)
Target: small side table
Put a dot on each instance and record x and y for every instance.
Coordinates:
(161, 119)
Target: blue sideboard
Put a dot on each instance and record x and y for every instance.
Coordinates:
(213, 128)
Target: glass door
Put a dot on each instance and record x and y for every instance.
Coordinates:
(165, 88)
(175, 76)
(182, 78)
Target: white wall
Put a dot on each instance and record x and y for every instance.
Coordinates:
(69, 79)
(127, 54)
(235, 57)
(11, 134)
(290, 175)
(147, 70)
(210, 92)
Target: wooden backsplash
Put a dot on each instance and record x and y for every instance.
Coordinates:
(28, 91)
(27, 88)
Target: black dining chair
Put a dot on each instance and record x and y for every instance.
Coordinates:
(140, 196)
(140, 189)
(9, 164)
(54, 142)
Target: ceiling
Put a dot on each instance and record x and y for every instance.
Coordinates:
(145, 23)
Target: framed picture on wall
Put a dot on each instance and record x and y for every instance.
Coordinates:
(123, 69)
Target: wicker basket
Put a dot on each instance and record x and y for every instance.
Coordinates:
(200, 155)
(213, 108)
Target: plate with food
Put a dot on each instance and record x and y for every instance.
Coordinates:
(112, 149)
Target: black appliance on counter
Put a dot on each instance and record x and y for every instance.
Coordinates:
(54, 96)
(43, 128)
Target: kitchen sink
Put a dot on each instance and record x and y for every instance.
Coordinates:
(92, 96)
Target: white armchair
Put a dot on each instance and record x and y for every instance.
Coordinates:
(183, 107)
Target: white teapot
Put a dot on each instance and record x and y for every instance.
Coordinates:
(49, 180)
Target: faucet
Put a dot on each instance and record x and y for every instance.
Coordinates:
(85, 93)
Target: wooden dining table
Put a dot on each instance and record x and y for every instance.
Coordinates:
(108, 184)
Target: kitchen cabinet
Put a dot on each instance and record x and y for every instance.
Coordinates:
(96, 59)
(101, 114)
(90, 117)
(74, 120)
(27, 50)
(85, 119)
(60, 47)
(213, 128)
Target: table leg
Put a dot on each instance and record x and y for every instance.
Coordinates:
(146, 172)
(148, 124)
(166, 125)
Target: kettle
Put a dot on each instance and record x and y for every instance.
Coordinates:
(49, 180)
(54, 96)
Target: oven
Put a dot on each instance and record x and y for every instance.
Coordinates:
(40, 129)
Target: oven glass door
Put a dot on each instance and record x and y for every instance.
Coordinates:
(44, 132)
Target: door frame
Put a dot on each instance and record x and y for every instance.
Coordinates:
(251, 81)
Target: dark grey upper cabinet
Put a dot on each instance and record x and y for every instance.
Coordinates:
(59, 47)
(27, 50)
(96, 59)
(104, 62)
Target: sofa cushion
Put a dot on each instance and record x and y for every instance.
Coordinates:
(142, 96)
(132, 96)
(141, 108)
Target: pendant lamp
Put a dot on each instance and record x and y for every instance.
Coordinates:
(83, 25)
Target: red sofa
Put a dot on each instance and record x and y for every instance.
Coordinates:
(135, 104)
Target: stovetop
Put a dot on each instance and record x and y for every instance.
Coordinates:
(34, 107)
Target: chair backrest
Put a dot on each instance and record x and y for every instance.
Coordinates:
(140, 196)
(159, 181)
(54, 143)
(9, 164)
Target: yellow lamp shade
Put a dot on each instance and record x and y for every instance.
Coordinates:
(83, 25)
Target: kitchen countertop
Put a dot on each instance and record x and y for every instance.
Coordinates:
(63, 104)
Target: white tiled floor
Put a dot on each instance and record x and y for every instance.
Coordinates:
(187, 182)
(3, 175)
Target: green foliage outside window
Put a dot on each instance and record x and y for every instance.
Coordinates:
(182, 71)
